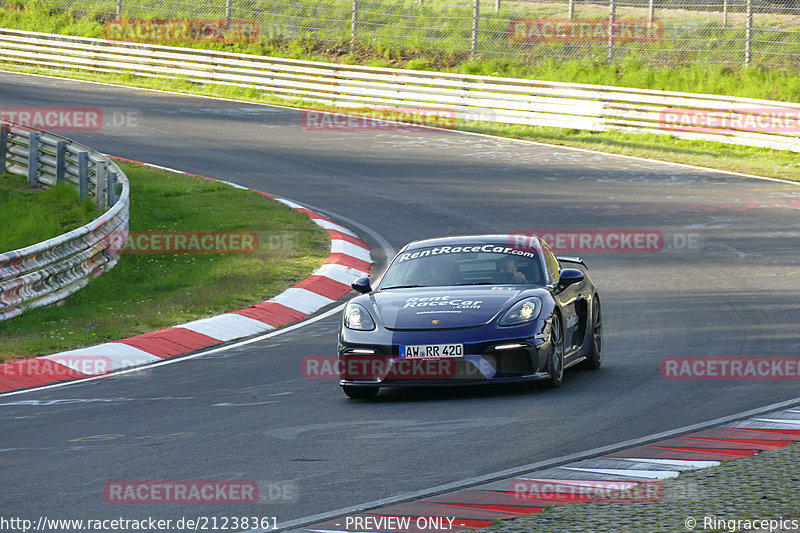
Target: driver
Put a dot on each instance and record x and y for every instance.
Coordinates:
(508, 266)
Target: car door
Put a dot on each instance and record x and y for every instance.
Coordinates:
(569, 300)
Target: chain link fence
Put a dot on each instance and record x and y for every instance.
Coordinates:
(667, 32)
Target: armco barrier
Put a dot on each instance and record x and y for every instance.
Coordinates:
(744, 121)
(50, 271)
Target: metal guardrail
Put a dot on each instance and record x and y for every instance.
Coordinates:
(744, 121)
(50, 271)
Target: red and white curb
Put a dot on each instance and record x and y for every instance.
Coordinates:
(621, 471)
(349, 259)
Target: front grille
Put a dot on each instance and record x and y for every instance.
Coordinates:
(507, 363)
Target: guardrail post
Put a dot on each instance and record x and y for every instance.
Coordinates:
(748, 36)
(354, 24)
(3, 146)
(612, 15)
(111, 188)
(476, 15)
(61, 161)
(100, 177)
(83, 175)
(33, 159)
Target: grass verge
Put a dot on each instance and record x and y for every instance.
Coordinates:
(29, 215)
(146, 292)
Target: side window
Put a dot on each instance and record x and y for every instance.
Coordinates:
(553, 268)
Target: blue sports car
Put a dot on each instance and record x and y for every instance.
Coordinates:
(470, 310)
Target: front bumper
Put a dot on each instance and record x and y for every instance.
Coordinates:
(507, 360)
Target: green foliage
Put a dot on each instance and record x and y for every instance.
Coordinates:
(151, 291)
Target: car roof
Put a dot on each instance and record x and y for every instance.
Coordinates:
(529, 241)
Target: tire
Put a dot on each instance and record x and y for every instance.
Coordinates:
(556, 362)
(360, 393)
(595, 358)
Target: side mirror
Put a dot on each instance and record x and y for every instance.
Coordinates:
(362, 285)
(570, 276)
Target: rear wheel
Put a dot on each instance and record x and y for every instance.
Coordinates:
(556, 362)
(360, 393)
(595, 358)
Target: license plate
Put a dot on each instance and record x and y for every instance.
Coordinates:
(420, 351)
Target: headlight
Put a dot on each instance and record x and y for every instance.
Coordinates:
(357, 317)
(523, 311)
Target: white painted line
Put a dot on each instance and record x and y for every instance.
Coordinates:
(162, 362)
(117, 354)
(302, 300)
(475, 481)
(673, 462)
(646, 474)
(227, 327)
(348, 248)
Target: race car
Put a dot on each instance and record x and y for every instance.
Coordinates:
(470, 310)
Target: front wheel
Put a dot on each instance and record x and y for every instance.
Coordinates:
(595, 358)
(556, 362)
(360, 393)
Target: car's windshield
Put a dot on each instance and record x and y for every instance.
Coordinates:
(472, 264)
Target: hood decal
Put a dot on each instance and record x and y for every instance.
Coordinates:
(441, 307)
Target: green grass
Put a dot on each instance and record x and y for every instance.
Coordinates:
(29, 215)
(147, 292)
(399, 42)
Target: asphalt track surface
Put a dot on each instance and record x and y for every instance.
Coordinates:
(248, 413)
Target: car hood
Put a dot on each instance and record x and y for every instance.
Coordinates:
(442, 307)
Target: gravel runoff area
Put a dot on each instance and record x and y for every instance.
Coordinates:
(765, 486)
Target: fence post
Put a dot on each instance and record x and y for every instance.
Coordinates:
(228, 10)
(83, 175)
(354, 24)
(119, 8)
(476, 14)
(571, 9)
(724, 13)
(496, 6)
(111, 188)
(61, 161)
(748, 36)
(3, 146)
(33, 159)
(650, 13)
(612, 15)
